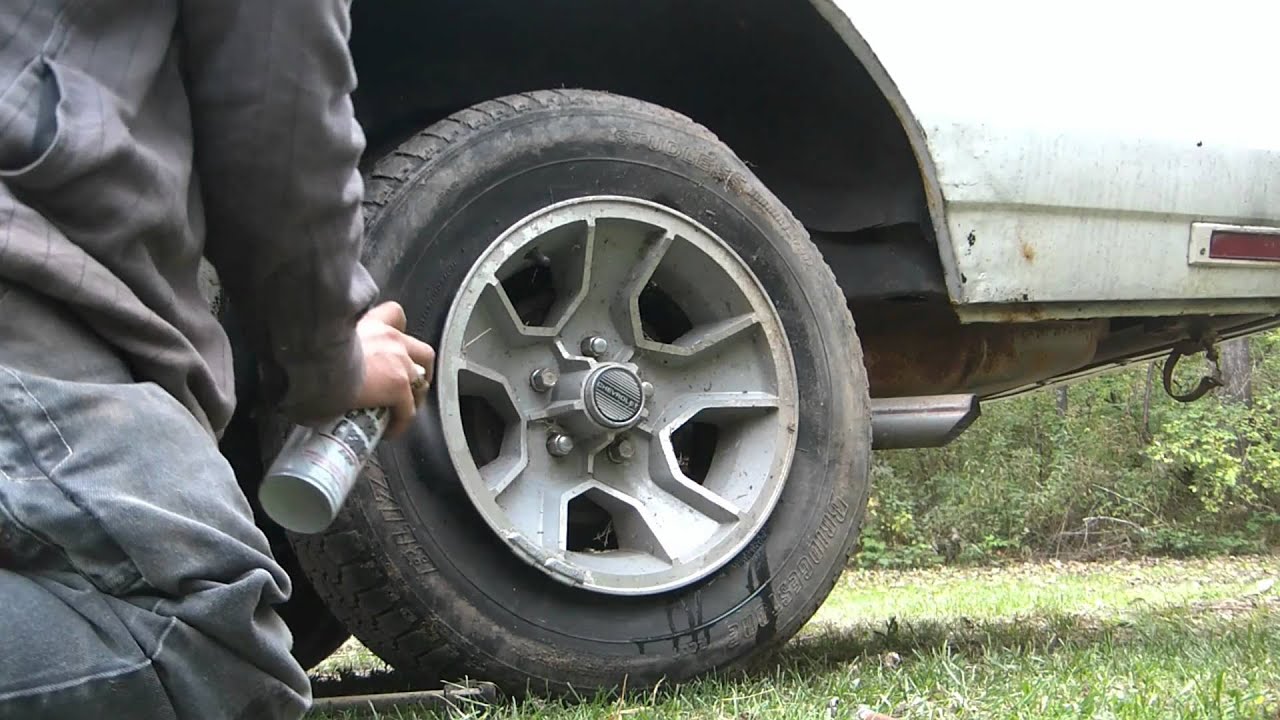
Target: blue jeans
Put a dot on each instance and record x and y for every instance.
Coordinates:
(133, 582)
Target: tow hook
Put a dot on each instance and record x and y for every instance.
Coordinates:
(1208, 383)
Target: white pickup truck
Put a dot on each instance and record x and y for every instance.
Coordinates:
(673, 308)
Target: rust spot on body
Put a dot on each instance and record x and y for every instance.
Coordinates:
(913, 351)
(1028, 252)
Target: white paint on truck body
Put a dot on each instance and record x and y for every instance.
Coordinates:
(1075, 146)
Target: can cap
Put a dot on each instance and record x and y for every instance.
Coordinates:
(296, 503)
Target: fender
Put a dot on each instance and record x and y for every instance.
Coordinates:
(1066, 156)
(934, 199)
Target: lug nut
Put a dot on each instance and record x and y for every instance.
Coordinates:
(595, 346)
(543, 379)
(622, 450)
(559, 444)
(647, 388)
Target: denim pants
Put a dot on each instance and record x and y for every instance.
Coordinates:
(133, 582)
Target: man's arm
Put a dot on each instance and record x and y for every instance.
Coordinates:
(277, 147)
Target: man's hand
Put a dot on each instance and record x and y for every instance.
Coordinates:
(391, 361)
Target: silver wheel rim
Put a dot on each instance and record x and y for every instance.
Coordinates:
(618, 395)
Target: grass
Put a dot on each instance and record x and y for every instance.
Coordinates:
(1133, 639)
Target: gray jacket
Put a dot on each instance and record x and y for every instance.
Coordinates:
(137, 136)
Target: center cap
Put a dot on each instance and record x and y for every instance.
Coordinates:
(614, 396)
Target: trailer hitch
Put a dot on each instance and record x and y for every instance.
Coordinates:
(1207, 383)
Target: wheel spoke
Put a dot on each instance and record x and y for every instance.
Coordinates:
(622, 256)
(495, 327)
(571, 273)
(503, 470)
(476, 380)
(650, 518)
(723, 357)
(536, 500)
(713, 404)
(744, 437)
(625, 308)
(703, 340)
(726, 359)
(481, 382)
(634, 522)
(664, 468)
(538, 512)
(505, 348)
(625, 256)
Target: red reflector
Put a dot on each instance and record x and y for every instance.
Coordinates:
(1228, 245)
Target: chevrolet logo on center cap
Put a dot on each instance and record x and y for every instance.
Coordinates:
(615, 396)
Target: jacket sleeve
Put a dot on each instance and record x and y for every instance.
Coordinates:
(277, 146)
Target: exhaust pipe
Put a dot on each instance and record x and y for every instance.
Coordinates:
(920, 422)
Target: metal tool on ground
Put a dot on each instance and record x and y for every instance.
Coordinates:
(310, 478)
(453, 699)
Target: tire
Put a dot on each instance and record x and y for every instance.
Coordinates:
(317, 633)
(411, 567)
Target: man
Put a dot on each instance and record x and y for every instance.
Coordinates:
(135, 137)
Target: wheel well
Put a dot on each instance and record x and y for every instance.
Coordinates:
(772, 78)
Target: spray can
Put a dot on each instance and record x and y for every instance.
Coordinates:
(316, 468)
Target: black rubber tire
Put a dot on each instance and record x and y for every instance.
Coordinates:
(412, 569)
(317, 633)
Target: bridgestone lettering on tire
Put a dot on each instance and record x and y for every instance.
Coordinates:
(753, 421)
